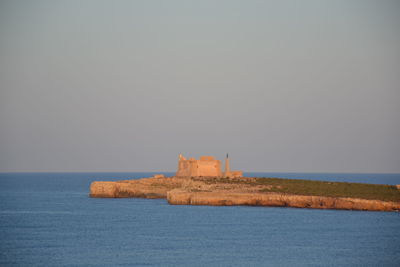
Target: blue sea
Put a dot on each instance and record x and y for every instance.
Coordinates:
(47, 219)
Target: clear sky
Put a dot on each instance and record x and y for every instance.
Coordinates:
(291, 86)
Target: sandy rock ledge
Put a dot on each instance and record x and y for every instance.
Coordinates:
(180, 197)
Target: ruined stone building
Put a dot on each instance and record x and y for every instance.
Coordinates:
(206, 166)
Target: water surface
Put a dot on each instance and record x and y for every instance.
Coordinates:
(47, 219)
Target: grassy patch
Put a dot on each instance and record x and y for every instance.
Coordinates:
(331, 189)
(318, 188)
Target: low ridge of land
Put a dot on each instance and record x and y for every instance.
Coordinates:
(255, 191)
(319, 188)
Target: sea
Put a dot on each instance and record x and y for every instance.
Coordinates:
(48, 219)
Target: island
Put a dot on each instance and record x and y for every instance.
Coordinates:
(200, 182)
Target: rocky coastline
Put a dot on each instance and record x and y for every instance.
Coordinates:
(226, 192)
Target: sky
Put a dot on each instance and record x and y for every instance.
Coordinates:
(282, 86)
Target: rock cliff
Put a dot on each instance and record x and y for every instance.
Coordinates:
(144, 188)
(180, 197)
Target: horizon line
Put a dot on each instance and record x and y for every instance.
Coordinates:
(316, 172)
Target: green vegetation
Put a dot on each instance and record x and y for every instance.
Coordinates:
(331, 189)
(321, 188)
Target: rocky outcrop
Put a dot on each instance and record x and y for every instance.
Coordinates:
(180, 197)
(143, 188)
(228, 192)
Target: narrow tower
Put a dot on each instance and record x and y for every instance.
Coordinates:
(227, 170)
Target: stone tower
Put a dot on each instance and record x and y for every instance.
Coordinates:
(227, 169)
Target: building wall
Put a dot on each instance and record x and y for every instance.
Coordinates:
(186, 168)
(209, 168)
(206, 166)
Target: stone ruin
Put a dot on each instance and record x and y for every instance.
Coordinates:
(206, 166)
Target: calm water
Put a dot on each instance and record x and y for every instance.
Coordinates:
(47, 219)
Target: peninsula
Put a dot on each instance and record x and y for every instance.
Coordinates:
(201, 182)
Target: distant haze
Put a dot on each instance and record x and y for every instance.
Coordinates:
(291, 86)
